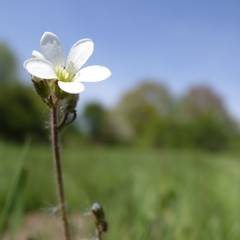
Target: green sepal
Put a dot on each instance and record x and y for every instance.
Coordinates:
(42, 88)
(58, 92)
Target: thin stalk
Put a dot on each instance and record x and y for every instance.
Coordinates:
(99, 234)
(58, 169)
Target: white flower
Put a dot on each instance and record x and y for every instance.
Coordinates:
(52, 64)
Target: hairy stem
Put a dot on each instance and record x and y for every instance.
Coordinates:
(58, 169)
(99, 234)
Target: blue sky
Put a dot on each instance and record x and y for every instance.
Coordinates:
(181, 43)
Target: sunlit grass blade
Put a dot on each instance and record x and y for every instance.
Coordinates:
(18, 208)
(15, 194)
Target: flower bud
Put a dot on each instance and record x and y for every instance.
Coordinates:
(99, 215)
(42, 87)
(72, 100)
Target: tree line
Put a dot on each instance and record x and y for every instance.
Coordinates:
(150, 115)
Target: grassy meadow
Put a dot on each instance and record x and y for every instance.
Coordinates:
(146, 193)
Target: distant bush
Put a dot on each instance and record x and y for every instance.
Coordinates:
(22, 113)
(8, 66)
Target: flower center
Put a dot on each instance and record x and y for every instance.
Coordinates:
(64, 75)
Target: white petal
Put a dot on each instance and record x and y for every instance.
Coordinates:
(40, 68)
(92, 74)
(79, 54)
(71, 87)
(37, 54)
(52, 49)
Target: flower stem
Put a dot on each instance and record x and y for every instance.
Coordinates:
(58, 169)
(99, 234)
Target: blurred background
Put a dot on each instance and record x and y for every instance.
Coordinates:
(158, 143)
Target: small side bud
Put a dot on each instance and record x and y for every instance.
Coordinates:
(99, 217)
(71, 104)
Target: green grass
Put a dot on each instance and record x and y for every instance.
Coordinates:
(146, 194)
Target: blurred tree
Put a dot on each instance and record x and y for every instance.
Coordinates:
(201, 100)
(94, 116)
(145, 104)
(22, 113)
(117, 129)
(105, 126)
(209, 133)
(210, 125)
(8, 66)
(198, 119)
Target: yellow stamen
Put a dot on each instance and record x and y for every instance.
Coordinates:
(63, 74)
